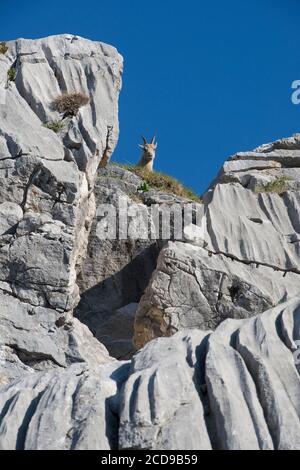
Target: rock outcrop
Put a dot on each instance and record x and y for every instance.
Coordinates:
(247, 258)
(72, 409)
(46, 199)
(115, 272)
(206, 326)
(235, 388)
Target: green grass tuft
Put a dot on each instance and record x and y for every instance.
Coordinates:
(144, 187)
(11, 74)
(162, 182)
(278, 185)
(55, 126)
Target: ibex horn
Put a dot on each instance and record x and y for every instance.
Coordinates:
(144, 139)
(153, 140)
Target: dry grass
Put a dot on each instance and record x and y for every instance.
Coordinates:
(70, 103)
(3, 48)
(278, 185)
(162, 182)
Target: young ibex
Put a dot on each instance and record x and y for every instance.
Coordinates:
(148, 155)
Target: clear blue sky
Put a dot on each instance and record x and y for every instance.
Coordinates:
(211, 77)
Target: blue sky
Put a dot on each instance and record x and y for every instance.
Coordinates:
(211, 77)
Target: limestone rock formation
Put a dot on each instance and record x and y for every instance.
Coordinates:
(247, 258)
(115, 272)
(72, 409)
(214, 314)
(235, 388)
(46, 198)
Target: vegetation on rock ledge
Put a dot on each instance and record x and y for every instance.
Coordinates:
(55, 126)
(162, 182)
(70, 103)
(3, 48)
(278, 185)
(11, 74)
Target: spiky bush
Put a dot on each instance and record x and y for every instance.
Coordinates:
(55, 126)
(3, 48)
(70, 103)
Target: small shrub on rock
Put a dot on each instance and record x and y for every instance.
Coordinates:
(3, 48)
(144, 187)
(55, 126)
(11, 74)
(278, 185)
(70, 103)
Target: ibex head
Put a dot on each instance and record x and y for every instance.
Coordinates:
(148, 153)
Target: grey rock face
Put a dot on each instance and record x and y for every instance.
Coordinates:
(236, 388)
(115, 272)
(72, 409)
(246, 258)
(152, 415)
(46, 198)
(192, 288)
(117, 331)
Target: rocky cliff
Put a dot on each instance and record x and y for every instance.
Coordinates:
(137, 343)
(47, 202)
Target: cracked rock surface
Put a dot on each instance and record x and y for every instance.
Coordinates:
(46, 198)
(235, 388)
(214, 316)
(115, 273)
(246, 258)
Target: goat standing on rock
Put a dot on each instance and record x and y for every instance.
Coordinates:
(148, 155)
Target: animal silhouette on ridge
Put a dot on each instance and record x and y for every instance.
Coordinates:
(148, 154)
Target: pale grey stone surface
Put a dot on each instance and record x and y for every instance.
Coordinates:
(46, 199)
(237, 411)
(152, 415)
(10, 215)
(243, 258)
(72, 409)
(236, 387)
(38, 338)
(115, 272)
(246, 378)
(194, 288)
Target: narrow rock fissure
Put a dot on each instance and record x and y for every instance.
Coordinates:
(23, 429)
